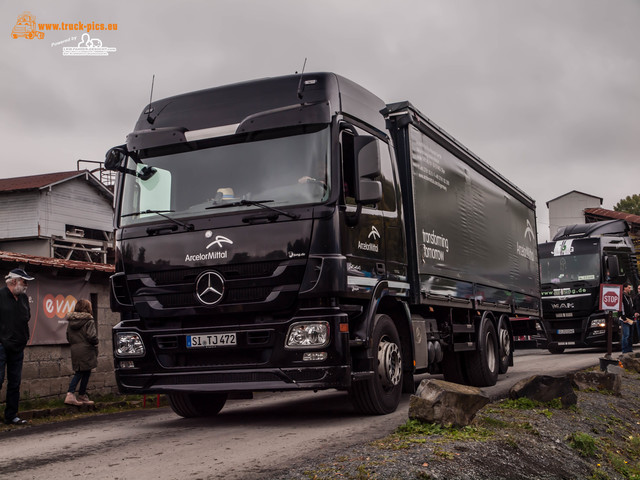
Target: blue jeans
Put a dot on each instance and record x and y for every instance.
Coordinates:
(627, 338)
(12, 361)
(81, 376)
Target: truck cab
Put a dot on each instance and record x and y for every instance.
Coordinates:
(572, 267)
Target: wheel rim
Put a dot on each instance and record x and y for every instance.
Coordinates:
(505, 342)
(389, 363)
(491, 352)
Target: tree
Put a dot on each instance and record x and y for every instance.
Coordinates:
(631, 204)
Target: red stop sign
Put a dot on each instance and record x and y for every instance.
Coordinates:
(610, 299)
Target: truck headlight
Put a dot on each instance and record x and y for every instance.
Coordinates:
(308, 334)
(598, 323)
(129, 345)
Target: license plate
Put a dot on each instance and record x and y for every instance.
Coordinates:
(565, 331)
(210, 340)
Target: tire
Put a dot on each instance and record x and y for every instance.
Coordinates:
(555, 349)
(482, 364)
(505, 345)
(381, 393)
(191, 405)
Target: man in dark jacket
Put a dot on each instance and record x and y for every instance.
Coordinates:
(627, 318)
(14, 335)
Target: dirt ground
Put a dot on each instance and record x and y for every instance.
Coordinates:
(599, 438)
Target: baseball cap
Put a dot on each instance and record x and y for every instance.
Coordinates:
(18, 273)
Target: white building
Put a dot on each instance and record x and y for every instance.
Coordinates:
(568, 209)
(67, 215)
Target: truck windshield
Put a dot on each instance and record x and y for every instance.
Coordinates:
(570, 268)
(285, 169)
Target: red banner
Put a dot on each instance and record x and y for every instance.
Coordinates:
(51, 299)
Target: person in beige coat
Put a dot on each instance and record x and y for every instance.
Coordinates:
(83, 338)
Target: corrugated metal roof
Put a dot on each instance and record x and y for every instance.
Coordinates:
(55, 262)
(33, 182)
(603, 212)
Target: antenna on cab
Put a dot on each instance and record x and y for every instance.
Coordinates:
(150, 119)
(300, 84)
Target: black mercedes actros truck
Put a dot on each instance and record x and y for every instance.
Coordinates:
(298, 233)
(572, 267)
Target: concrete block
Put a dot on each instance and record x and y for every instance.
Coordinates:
(50, 369)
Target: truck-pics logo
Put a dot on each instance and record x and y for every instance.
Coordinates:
(215, 255)
(370, 247)
(91, 47)
(26, 27)
(439, 249)
(210, 287)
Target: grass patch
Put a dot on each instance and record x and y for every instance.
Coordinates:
(583, 443)
(416, 428)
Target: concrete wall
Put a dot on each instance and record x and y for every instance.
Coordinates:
(47, 369)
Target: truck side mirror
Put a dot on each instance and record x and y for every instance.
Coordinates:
(367, 163)
(115, 158)
(612, 266)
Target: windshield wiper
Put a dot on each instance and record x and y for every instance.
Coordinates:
(187, 226)
(260, 203)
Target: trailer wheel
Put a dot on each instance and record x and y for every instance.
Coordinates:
(505, 344)
(482, 364)
(190, 405)
(380, 394)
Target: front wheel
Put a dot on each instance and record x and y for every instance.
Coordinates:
(191, 405)
(380, 394)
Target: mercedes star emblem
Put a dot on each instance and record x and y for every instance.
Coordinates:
(209, 287)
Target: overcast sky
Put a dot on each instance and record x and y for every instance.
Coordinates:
(545, 91)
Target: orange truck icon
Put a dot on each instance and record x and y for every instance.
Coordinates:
(26, 27)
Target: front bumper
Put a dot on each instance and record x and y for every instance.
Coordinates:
(258, 361)
(240, 380)
(579, 332)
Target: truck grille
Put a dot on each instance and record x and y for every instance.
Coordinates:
(229, 272)
(247, 283)
(238, 295)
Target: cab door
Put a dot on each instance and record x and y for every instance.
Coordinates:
(370, 226)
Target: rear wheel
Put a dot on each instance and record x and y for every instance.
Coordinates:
(190, 405)
(380, 394)
(482, 364)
